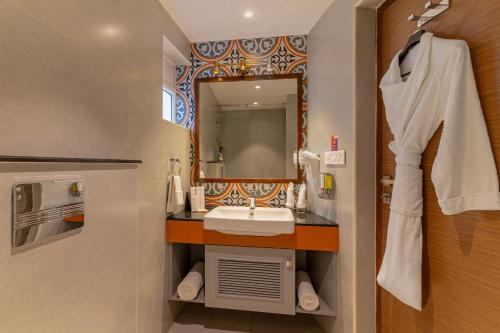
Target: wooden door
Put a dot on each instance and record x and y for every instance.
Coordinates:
(461, 259)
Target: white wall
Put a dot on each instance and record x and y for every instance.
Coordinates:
(342, 88)
(84, 79)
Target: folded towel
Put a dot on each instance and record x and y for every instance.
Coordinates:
(191, 285)
(193, 195)
(200, 191)
(175, 195)
(301, 201)
(179, 194)
(308, 300)
(197, 196)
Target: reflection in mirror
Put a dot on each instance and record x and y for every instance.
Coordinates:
(248, 128)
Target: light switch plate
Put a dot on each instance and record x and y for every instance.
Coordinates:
(335, 157)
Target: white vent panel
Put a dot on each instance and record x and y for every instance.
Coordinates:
(258, 280)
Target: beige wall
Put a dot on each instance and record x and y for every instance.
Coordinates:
(84, 79)
(209, 110)
(330, 63)
(254, 143)
(82, 283)
(342, 87)
(365, 140)
(291, 134)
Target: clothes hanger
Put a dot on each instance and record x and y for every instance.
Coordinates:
(412, 42)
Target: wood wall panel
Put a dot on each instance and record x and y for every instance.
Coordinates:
(461, 272)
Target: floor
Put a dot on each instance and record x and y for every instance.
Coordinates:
(197, 319)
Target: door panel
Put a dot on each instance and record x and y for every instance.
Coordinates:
(461, 258)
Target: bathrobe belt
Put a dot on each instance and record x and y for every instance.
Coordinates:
(407, 191)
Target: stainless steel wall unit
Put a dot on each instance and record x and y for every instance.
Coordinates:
(46, 209)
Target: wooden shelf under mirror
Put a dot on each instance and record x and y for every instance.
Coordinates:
(220, 98)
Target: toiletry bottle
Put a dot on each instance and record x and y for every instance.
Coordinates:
(187, 206)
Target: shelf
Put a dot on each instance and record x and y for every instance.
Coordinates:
(199, 299)
(42, 159)
(323, 309)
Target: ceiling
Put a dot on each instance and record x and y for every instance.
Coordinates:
(209, 20)
(242, 95)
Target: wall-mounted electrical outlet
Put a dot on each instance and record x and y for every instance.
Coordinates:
(335, 157)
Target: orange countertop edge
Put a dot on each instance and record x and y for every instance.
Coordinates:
(306, 237)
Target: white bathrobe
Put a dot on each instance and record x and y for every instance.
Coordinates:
(440, 88)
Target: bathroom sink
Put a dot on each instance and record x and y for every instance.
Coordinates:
(239, 221)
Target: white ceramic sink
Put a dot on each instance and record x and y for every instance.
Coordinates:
(239, 221)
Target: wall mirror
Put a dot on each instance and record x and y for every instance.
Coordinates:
(247, 128)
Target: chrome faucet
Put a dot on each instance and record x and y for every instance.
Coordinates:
(252, 202)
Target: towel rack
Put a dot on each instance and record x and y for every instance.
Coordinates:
(173, 162)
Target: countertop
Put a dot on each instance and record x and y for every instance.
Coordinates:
(308, 218)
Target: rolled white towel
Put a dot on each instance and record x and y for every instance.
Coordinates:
(308, 300)
(191, 285)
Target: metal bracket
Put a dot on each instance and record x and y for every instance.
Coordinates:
(432, 10)
(386, 181)
(386, 198)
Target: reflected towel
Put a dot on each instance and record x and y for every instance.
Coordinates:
(308, 299)
(191, 285)
(290, 196)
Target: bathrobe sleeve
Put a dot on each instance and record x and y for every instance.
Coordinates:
(464, 172)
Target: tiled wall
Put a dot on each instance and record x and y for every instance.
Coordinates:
(288, 55)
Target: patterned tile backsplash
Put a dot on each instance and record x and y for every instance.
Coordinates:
(288, 55)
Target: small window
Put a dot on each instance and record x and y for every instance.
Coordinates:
(168, 105)
(169, 102)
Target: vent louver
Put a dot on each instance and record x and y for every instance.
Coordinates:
(260, 280)
(57, 214)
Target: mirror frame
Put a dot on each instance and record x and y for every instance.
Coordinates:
(300, 112)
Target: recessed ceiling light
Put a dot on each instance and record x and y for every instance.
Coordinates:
(255, 103)
(111, 31)
(257, 87)
(248, 14)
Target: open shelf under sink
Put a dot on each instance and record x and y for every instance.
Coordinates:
(199, 299)
(323, 309)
